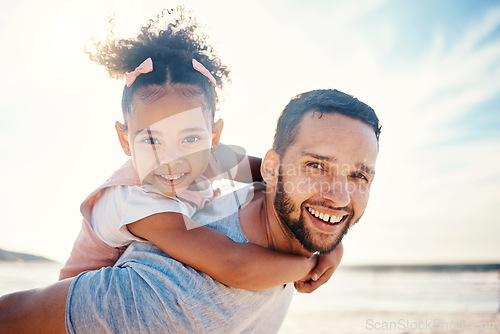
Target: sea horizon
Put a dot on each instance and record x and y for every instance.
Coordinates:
(478, 265)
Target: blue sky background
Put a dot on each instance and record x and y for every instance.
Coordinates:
(431, 70)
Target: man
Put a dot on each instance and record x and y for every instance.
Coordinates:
(318, 178)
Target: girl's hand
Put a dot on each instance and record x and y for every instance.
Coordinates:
(322, 272)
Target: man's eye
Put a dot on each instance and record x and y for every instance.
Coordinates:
(315, 165)
(191, 139)
(360, 176)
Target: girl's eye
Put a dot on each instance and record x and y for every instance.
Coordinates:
(191, 139)
(151, 141)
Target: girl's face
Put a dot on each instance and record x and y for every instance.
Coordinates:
(170, 141)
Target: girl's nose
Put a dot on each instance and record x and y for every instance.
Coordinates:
(170, 157)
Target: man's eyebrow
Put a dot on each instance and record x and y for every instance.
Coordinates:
(318, 156)
(365, 168)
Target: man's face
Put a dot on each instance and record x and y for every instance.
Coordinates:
(325, 178)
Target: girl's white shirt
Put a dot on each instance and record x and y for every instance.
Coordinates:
(121, 205)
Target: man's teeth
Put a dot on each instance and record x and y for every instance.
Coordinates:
(325, 217)
(173, 177)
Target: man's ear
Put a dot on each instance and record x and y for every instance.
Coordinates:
(270, 167)
(216, 132)
(121, 130)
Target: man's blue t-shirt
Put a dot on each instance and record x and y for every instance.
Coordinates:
(149, 292)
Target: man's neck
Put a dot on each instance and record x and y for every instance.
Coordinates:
(262, 226)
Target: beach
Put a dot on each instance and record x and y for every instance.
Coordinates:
(393, 300)
(396, 300)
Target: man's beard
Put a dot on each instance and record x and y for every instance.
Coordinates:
(285, 208)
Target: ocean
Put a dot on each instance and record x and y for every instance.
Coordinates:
(15, 276)
(359, 299)
(409, 289)
(426, 299)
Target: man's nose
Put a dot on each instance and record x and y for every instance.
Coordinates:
(337, 191)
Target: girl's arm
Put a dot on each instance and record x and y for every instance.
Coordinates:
(240, 265)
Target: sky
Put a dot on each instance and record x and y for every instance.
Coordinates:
(430, 69)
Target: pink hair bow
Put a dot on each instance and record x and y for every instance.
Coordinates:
(200, 68)
(145, 67)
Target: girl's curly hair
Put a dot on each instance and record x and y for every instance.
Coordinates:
(172, 49)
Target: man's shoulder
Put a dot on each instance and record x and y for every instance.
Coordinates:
(223, 213)
(159, 269)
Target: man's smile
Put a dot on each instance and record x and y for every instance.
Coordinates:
(326, 220)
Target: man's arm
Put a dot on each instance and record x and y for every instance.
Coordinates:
(254, 168)
(233, 158)
(35, 311)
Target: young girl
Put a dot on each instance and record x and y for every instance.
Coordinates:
(170, 134)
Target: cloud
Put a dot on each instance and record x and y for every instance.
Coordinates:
(436, 196)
